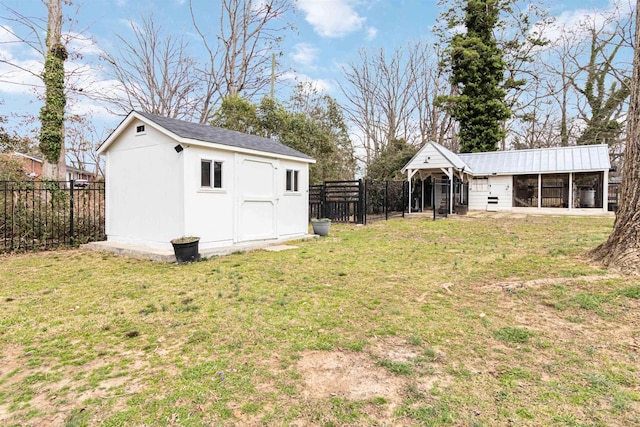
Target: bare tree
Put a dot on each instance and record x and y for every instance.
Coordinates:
(155, 73)
(622, 248)
(239, 56)
(81, 136)
(391, 97)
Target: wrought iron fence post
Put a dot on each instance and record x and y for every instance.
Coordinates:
(433, 198)
(323, 201)
(404, 188)
(361, 205)
(386, 200)
(71, 230)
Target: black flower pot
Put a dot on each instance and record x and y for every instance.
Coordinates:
(186, 251)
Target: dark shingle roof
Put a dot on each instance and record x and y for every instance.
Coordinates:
(221, 136)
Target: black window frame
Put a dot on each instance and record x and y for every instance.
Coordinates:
(210, 174)
(292, 179)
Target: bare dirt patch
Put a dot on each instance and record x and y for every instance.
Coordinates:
(347, 375)
(511, 286)
(55, 400)
(394, 349)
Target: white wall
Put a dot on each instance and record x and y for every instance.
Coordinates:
(501, 187)
(497, 186)
(245, 209)
(144, 189)
(293, 207)
(209, 213)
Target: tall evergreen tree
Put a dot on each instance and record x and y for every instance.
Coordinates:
(478, 66)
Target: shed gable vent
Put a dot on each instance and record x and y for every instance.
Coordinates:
(140, 129)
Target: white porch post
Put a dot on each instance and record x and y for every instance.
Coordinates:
(539, 191)
(570, 190)
(410, 174)
(451, 190)
(409, 178)
(423, 194)
(605, 191)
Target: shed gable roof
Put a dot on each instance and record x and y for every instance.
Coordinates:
(424, 158)
(205, 133)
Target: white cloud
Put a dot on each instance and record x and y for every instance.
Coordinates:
(576, 21)
(81, 44)
(304, 54)
(331, 18)
(372, 32)
(320, 85)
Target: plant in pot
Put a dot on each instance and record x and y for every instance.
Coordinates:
(321, 226)
(186, 249)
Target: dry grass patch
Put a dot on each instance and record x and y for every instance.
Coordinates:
(471, 321)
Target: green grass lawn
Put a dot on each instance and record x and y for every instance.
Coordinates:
(462, 322)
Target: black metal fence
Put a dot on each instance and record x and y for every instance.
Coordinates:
(358, 201)
(38, 215)
(386, 199)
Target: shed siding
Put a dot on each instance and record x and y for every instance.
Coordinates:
(144, 206)
(478, 195)
(500, 187)
(293, 207)
(208, 212)
(435, 159)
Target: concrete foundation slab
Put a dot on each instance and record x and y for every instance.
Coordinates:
(160, 255)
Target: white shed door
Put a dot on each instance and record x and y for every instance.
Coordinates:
(257, 199)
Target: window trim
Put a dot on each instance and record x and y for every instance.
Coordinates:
(480, 183)
(292, 181)
(141, 132)
(212, 187)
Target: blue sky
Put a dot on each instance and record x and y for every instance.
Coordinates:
(329, 34)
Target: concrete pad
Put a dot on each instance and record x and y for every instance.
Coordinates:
(161, 255)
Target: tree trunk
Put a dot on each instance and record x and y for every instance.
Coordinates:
(622, 248)
(52, 113)
(56, 171)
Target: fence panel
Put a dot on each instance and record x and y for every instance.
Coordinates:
(38, 215)
(386, 199)
(343, 201)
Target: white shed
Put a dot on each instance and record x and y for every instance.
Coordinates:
(167, 178)
(543, 180)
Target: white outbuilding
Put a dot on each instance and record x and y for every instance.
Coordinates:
(167, 178)
(544, 180)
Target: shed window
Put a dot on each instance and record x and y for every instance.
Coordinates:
(480, 184)
(209, 179)
(140, 129)
(292, 180)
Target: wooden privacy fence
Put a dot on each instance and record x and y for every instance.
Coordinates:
(358, 201)
(37, 215)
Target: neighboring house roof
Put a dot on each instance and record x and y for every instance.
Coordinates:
(580, 158)
(200, 132)
(583, 158)
(28, 156)
(39, 159)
